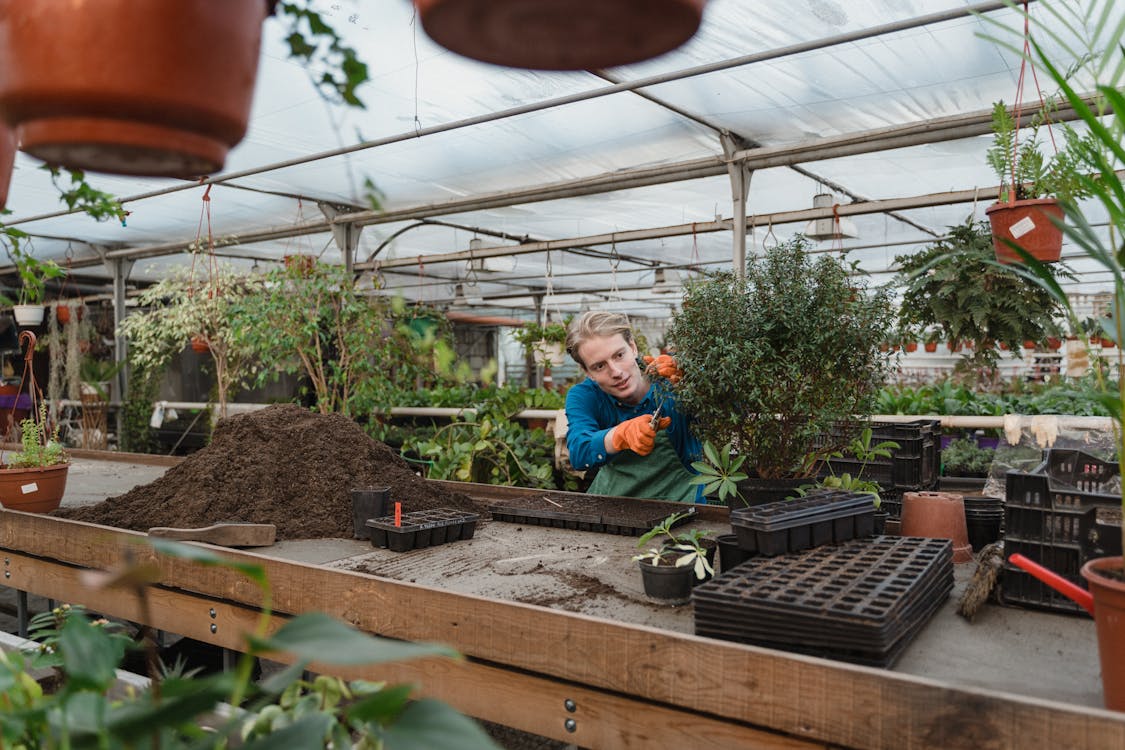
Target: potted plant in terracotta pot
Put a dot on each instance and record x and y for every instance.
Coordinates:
(1031, 185)
(772, 361)
(545, 343)
(34, 478)
(1095, 172)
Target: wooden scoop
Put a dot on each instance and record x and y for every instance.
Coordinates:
(223, 534)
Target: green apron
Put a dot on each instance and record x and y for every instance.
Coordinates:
(658, 475)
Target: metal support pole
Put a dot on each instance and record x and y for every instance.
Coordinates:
(740, 175)
(21, 613)
(346, 235)
(120, 269)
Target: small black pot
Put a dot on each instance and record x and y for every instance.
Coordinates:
(730, 554)
(667, 582)
(758, 491)
(368, 502)
(881, 517)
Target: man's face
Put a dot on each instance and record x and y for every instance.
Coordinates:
(612, 363)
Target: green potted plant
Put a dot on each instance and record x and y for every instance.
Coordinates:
(680, 559)
(1095, 171)
(955, 289)
(1031, 185)
(964, 458)
(545, 343)
(34, 478)
(772, 361)
(97, 377)
(33, 273)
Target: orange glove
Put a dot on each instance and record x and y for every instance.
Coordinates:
(664, 366)
(637, 434)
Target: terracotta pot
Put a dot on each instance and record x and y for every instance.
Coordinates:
(911, 346)
(560, 34)
(1107, 343)
(937, 515)
(302, 264)
(38, 490)
(954, 346)
(1003, 347)
(930, 346)
(1109, 618)
(199, 345)
(1054, 344)
(1028, 224)
(1029, 344)
(7, 161)
(129, 86)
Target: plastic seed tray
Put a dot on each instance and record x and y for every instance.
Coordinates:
(788, 526)
(1050, 517)
(862, 601)
(633, 522)
(422, 528)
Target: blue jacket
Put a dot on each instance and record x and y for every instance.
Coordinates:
(591, 413)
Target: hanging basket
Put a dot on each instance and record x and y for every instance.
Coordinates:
(29, 316)
(560, 34)
(129, 87)
(7, 161)
(199, 345)
(1028, 224)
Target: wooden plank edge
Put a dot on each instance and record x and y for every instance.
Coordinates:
(142, 459)
(531, 703)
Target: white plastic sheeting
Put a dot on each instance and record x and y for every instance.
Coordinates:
(941, 69)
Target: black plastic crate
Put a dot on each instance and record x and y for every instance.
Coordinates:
(1050, 517)
(915, 465)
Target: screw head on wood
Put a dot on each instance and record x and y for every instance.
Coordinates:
(571, 725)
(570, 705)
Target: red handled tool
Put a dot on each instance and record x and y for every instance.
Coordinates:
(1080, 595)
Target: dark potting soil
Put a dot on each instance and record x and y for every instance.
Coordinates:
(282, 465)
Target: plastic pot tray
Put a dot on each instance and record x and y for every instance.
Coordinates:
(862, 601)
(422, 528)
(793, 525)
(632, 518)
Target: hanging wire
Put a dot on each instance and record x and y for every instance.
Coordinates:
(770, 236)
(1026, 54)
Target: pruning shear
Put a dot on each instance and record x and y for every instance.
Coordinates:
(656, 414)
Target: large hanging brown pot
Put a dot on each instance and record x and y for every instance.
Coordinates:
(7, 161)
(1028, 224)
(1109, 619)
(560, 34)
(129, 86)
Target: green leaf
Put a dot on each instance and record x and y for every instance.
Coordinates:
(306, 733)
(428, 724)
(90, 654)
(315, 636)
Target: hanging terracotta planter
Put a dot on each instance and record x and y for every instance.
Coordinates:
(560, 34)
(1109, 618)
(199, 344)
(129, 87)
(7, 161)
(1053, 343)
(1028, 224)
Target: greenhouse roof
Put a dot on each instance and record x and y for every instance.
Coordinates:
(498, 187)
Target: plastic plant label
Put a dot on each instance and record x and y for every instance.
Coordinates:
(28, 488)
(1022, 227)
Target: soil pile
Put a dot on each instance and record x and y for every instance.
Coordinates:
(282, 465)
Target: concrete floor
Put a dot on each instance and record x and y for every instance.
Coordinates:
(1036, 654)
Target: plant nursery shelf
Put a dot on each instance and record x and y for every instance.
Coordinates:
(627, 685)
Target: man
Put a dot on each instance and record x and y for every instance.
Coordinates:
(610, 415)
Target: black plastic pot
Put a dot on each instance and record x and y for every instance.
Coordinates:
(421, 529)
(730, 554)
(758, 491)
(368, 502)
(983, 529)
(881, 517)
(667, 582)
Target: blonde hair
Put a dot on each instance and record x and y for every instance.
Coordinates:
(595, 324)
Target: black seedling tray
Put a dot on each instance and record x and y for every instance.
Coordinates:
(605, 523)
(790, 526)
(422, 528)
(862, 601)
